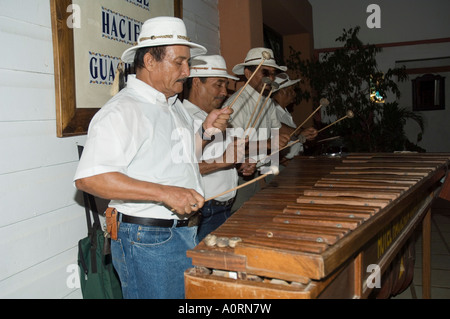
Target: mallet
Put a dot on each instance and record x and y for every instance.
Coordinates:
(266, 82)
(274, 86)
(348, 115)
(273, 170)
(323, 102)
(265, 56)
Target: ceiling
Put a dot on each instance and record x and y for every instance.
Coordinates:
(288, 16)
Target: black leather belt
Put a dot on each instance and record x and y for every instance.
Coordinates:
(226, 203)
(194, 220)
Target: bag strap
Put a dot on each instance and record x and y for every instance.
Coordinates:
(90, 207)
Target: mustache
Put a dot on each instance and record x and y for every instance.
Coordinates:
(182, 80)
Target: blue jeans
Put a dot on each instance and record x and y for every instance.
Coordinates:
(151, 260)
(212, 217)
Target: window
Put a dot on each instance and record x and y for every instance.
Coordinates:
(428, 93)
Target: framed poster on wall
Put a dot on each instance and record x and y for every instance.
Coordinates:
(89, 37)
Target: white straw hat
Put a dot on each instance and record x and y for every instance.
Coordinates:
(284, 81)
(210, 66)
(162, 31)
(254, 57)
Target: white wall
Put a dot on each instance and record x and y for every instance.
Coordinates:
(437, 122)
(41, 219)
(401, 21)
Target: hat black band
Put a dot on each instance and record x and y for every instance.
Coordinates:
(246, 61)
(217, 69)
(154, 37)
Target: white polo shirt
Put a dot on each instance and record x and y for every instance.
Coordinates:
(142, 135)
(222, 180)
(286, 118)
(283, 115)
(243, 109)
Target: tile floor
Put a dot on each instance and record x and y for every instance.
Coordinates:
(440, 256)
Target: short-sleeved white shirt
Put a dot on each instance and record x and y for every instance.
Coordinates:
(221, 180)
(286, 118)
(142, 135)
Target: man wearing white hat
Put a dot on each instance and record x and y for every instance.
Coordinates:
(245, 105)
(207, 90)
(283, 97)
(140, 154)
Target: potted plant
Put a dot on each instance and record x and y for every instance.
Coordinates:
(350, 79)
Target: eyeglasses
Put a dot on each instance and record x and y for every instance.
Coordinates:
(268, 73)
(282, 76)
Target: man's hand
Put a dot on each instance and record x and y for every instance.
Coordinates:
(247, 168)
(310, 133)
(280, 142)
(118, 186)
(183, 200)
(217, 121)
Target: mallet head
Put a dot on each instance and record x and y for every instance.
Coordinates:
(324, 102)
(266, 55)
(350, 114)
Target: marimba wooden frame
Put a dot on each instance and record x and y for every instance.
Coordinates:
(341, 269)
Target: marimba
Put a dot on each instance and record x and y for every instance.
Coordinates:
(324, 228)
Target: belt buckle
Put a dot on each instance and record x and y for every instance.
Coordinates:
(194, 220)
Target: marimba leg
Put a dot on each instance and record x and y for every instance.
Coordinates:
(426, 256)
